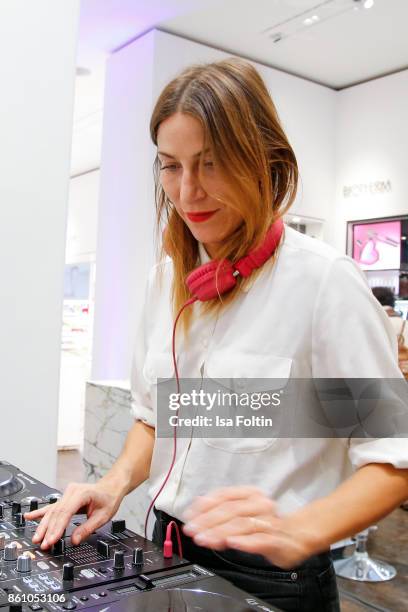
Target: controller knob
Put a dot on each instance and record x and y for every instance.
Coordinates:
(15, 508)
(68, 571)
(59, 547)
(119, 560)
(138, 556)
(52, 498)
(19, 519)
(33, 504)
(118, 526)
(10, 551)
(24, 563)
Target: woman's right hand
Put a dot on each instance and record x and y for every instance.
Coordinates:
(101, 503)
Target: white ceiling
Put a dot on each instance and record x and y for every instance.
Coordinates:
(346, 44)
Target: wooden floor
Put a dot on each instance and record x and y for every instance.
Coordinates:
(389, 543)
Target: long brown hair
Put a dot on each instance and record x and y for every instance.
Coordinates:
(249, 147)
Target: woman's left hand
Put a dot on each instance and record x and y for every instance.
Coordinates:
(245, 519)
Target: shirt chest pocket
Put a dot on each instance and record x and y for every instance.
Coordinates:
(248, 387)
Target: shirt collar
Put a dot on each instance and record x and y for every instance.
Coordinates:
(202, 254)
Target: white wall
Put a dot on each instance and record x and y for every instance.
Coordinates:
(371, 144)
(35, 126)
(135, 76)
(126, 208)
(82, 219)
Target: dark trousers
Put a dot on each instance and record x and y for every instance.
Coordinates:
(310, 587)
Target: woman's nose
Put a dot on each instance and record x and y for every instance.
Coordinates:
(190, 188)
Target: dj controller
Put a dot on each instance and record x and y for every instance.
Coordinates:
(115, 570)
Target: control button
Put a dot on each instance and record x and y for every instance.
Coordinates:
(138, 556)
(36, 607)
(10, 551)
(102, 594)
(19, 520)
(33, 505)
(68, 571)
(15, 508)
(24, 563)
(59, 547)
(119, 560)
(144, 582)
(52, 498)
(84, 598)
(69, 605)
(118, 526)
(103, 548)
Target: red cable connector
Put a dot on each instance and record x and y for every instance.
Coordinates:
(168, 544)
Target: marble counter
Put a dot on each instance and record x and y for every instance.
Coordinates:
(107, 421)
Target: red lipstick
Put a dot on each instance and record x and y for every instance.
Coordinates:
(202, 216)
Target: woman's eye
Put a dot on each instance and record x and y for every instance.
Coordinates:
(209, 164)
(170, 167)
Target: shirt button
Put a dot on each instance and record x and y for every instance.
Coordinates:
(293, 576)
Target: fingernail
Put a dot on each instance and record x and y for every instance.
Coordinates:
(190, 528)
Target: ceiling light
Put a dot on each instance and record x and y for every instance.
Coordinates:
(81, 71)
(322, 12)
(296, 219)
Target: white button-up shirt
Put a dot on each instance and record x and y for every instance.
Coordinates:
(308, 314)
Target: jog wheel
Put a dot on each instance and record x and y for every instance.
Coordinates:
(9, 484)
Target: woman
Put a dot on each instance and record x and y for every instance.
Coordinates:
(260, 512)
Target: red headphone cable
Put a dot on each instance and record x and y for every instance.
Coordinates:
(173, 460)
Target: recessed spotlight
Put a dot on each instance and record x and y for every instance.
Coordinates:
(82, 71)
(368, 4)
(308, 21)
(296, 219)
(276, 37)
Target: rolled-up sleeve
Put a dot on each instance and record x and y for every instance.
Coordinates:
(141, 406)
(353, 338)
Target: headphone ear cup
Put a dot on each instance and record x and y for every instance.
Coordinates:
(211, 280)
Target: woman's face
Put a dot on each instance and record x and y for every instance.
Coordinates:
(180, 142)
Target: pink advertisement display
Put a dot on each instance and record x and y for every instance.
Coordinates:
(377, 246)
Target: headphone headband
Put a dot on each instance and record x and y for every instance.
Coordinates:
(219, 276)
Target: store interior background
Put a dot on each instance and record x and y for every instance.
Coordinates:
(75, 254)
(344, 118)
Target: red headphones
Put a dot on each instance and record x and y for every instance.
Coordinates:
(206, 283)
(216, 277)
